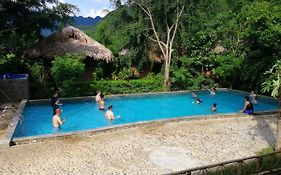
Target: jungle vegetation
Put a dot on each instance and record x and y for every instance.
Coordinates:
(221, 43)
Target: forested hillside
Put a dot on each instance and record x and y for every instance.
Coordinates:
(228, 42)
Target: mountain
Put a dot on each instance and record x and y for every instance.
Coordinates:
(89, 21)
(78, 22)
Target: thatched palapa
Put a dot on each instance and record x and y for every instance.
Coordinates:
(71, 40)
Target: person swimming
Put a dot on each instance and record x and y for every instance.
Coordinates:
(248, 106)
(194, 95)
(212, 91)
(214, 107)
(198, 100)
(253, 97)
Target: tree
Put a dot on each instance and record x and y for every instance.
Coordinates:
(21, 22)
(66, 70)
(165, 44)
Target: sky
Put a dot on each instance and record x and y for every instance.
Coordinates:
(91, 8)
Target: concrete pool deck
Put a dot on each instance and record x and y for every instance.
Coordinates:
(147, 149)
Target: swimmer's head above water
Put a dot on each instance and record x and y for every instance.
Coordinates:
(58, 111)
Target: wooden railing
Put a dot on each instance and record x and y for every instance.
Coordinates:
(263, 164)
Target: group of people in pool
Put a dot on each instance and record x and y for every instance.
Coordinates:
(248, 107)
(198, 100)
(58, 121)
(100, 100)
(250, 100)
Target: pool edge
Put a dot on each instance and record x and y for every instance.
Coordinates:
(8, 136)
(91, 132)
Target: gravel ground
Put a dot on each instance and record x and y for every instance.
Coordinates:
(151, 149)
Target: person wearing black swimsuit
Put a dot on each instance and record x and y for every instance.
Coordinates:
(248, 106)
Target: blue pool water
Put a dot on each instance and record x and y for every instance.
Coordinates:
(13, 76)
(85, 115)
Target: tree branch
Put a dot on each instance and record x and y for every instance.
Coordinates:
(161, 42)
(147, 11)
(176, 27)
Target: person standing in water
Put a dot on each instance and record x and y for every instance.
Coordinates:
(253, 97)
(101, 104)
(214, 107)
(55, 103)
(98, 96)
(194, 95)
(57, 121)
(212, 91)
(109, 114)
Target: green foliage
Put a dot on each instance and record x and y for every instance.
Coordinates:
(66, 70)
(267, 164)
(249, 31)
(10, 64)
(7, 58)
(39, 84)
(148, 84)
(21, 22)
(227, 66)
(267, 150)
(273, 82)
(125, 74)
(262, 24)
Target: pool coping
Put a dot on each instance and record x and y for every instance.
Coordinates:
(89, 132)
(70, 99)
(6, 140)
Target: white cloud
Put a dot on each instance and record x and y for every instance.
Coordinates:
(94, 13)
(62, 1)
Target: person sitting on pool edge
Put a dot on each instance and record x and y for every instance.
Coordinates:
(101, 103)
(214, 107)
(57, 121)
(109, 114)
(248, 106)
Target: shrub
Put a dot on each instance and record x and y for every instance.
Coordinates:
(148, 84)
(66, 70)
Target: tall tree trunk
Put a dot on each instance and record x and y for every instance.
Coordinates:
(167, 83)
(165, 47)
(278, 137)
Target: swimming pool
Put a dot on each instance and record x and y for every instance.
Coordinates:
(84, 114)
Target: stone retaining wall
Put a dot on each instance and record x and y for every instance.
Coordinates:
(14, 89)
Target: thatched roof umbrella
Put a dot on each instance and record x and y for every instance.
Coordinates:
(70, 40)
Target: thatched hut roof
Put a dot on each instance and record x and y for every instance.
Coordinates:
(70, 40)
